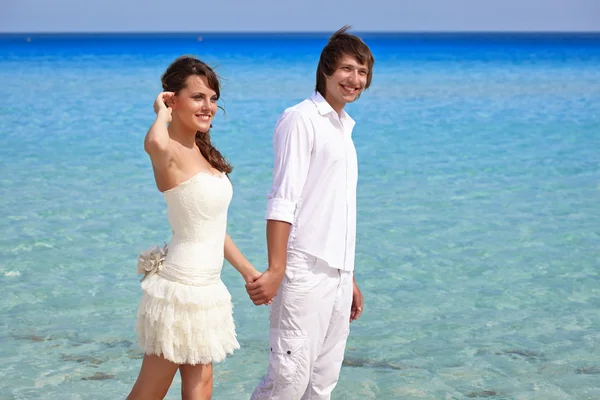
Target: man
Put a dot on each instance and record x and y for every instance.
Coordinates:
(311, 230)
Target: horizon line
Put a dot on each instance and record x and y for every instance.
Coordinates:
(272, 32)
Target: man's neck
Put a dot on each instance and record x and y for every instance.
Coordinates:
(338, 108)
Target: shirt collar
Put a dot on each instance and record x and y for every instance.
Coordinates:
(324, 109)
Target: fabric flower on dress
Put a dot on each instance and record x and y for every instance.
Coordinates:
(150, 261)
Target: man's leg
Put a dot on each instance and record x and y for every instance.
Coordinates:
(326, 370)
(300, 315)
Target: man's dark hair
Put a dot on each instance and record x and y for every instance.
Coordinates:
(341, 44)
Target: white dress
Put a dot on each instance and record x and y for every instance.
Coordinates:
(185, 312)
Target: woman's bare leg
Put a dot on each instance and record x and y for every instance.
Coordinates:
(196, 381)
(154, 379)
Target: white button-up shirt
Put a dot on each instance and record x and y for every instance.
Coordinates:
(314, 181)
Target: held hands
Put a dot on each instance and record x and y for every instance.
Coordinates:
(160, 105)
(263, 289)
(357, 302)
(251, 275)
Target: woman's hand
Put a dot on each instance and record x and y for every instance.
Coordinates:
(160, 105)
(251, 275)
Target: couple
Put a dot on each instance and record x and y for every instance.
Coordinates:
(185, 318)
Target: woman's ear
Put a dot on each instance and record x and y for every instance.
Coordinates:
(171, 102)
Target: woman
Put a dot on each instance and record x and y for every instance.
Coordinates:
(185, 317)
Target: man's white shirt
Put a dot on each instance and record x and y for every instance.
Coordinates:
(315, 175)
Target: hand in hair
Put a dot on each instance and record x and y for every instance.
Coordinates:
(160, 105)
(157, 138)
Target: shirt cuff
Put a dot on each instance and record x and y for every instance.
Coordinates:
(281, 210)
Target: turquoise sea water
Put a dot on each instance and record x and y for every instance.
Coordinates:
(478, 227)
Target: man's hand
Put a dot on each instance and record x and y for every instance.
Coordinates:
(252, 277)
(265, 287)
(357, 302)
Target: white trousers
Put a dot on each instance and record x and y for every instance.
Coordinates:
(310, 322)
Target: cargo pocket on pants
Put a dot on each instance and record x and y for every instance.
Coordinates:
(289, 355)
(299, 265)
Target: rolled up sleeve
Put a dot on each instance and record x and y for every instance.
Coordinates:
(292, 145)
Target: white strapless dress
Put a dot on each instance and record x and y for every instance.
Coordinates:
(185, 312)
